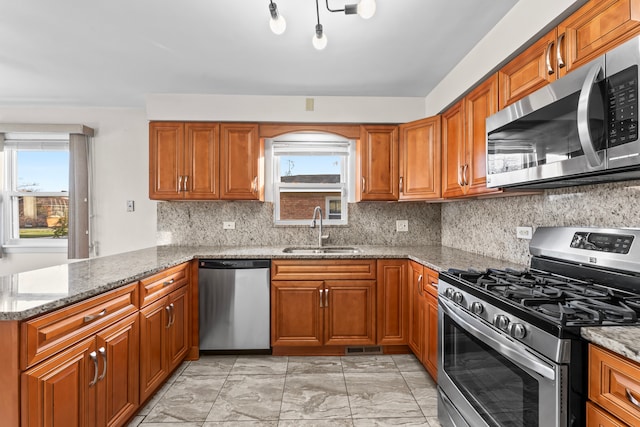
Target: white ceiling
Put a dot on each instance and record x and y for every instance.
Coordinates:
(114, 52)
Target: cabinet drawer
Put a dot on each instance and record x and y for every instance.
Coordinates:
(596, 417)
(50, 333)
(161, 284)
(430, 282)
(325, 269)
(614, 383)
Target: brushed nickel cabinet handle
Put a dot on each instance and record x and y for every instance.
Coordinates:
(460, 182)
(559, 59)
(186, 179)
(179, 183)
(363, 185)
(465, 175)
(94, 357)
(632, 399)
(92, 317)
(434, 284)
(173, 314)
(254, 184)
(547, 58)
(401, 186)
(168, 310)
(103, 353)
(321, 295)
(170, 282)
(326, 298)
(420, 285)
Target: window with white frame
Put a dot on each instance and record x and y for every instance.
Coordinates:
(309, 170)
(35, 202)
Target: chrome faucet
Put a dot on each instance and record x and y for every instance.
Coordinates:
(318, 211)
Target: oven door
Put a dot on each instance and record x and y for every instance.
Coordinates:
(487, 379)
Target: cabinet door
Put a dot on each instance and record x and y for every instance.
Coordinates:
(595, 28)
(453, 151)
(202, 158)
(420, 159)
(154, 320)
(61, 391)
(240, 156)
(479, 104)
(349, 312)
(297, 313)
(430, 337)
(166, 160)
(178, 339)
(378, 153)
(529, 71)
(415, 308)
(117, 387)
(392, 308)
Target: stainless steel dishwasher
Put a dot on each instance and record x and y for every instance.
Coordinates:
(234, 304)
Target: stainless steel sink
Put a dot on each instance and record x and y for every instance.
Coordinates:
(320, 251)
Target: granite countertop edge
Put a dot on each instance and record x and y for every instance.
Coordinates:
(623, 340)
(95, 276)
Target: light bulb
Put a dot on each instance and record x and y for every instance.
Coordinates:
(278, 25)
(319, 42)
(366, 8)
(277, 22)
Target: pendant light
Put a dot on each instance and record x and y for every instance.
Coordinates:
(277, 21)
(319, 39)
(364, 8)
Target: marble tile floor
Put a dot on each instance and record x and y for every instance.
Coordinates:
(271, 391)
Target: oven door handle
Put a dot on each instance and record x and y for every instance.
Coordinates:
(516, 353)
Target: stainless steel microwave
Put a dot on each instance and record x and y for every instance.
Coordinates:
(582, 128)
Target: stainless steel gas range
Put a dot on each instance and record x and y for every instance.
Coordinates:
(510, 352)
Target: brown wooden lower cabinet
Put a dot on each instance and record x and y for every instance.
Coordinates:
(392, 302)
(316, 313)
(93, 383)
(164, 339)
(423, 322)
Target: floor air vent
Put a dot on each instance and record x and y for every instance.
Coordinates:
(363, 350)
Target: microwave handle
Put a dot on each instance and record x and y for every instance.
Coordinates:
(584, 133)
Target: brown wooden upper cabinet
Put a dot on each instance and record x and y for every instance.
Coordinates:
(241, 156)
(204, 161)
(595, 28)
(378, 164)
(420, 159)
(464, 142)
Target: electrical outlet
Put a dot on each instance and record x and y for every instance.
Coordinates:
(131, 206)
(228, 225)
(524, 232)
(402, 225)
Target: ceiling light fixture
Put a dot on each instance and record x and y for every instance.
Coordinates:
(365, 9)
(277, 21)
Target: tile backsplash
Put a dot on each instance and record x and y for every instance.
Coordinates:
(370, 223)
(488, 226)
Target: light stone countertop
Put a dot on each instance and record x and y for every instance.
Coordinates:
(28, 294)
(624, 340)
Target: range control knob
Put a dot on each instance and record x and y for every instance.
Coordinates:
(477, 308)
(458, 297)
(517, 330)
(448, 293)
(501, 322)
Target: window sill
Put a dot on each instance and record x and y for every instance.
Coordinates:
(35, 248)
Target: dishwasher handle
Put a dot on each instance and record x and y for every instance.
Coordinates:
(234, 264)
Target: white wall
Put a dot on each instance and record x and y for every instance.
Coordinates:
(121, 173)
(328, 109)
(519, 25)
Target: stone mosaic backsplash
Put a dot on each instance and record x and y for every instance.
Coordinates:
(370, 223)
(488, 226)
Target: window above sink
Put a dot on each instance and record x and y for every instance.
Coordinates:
(305, 170)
